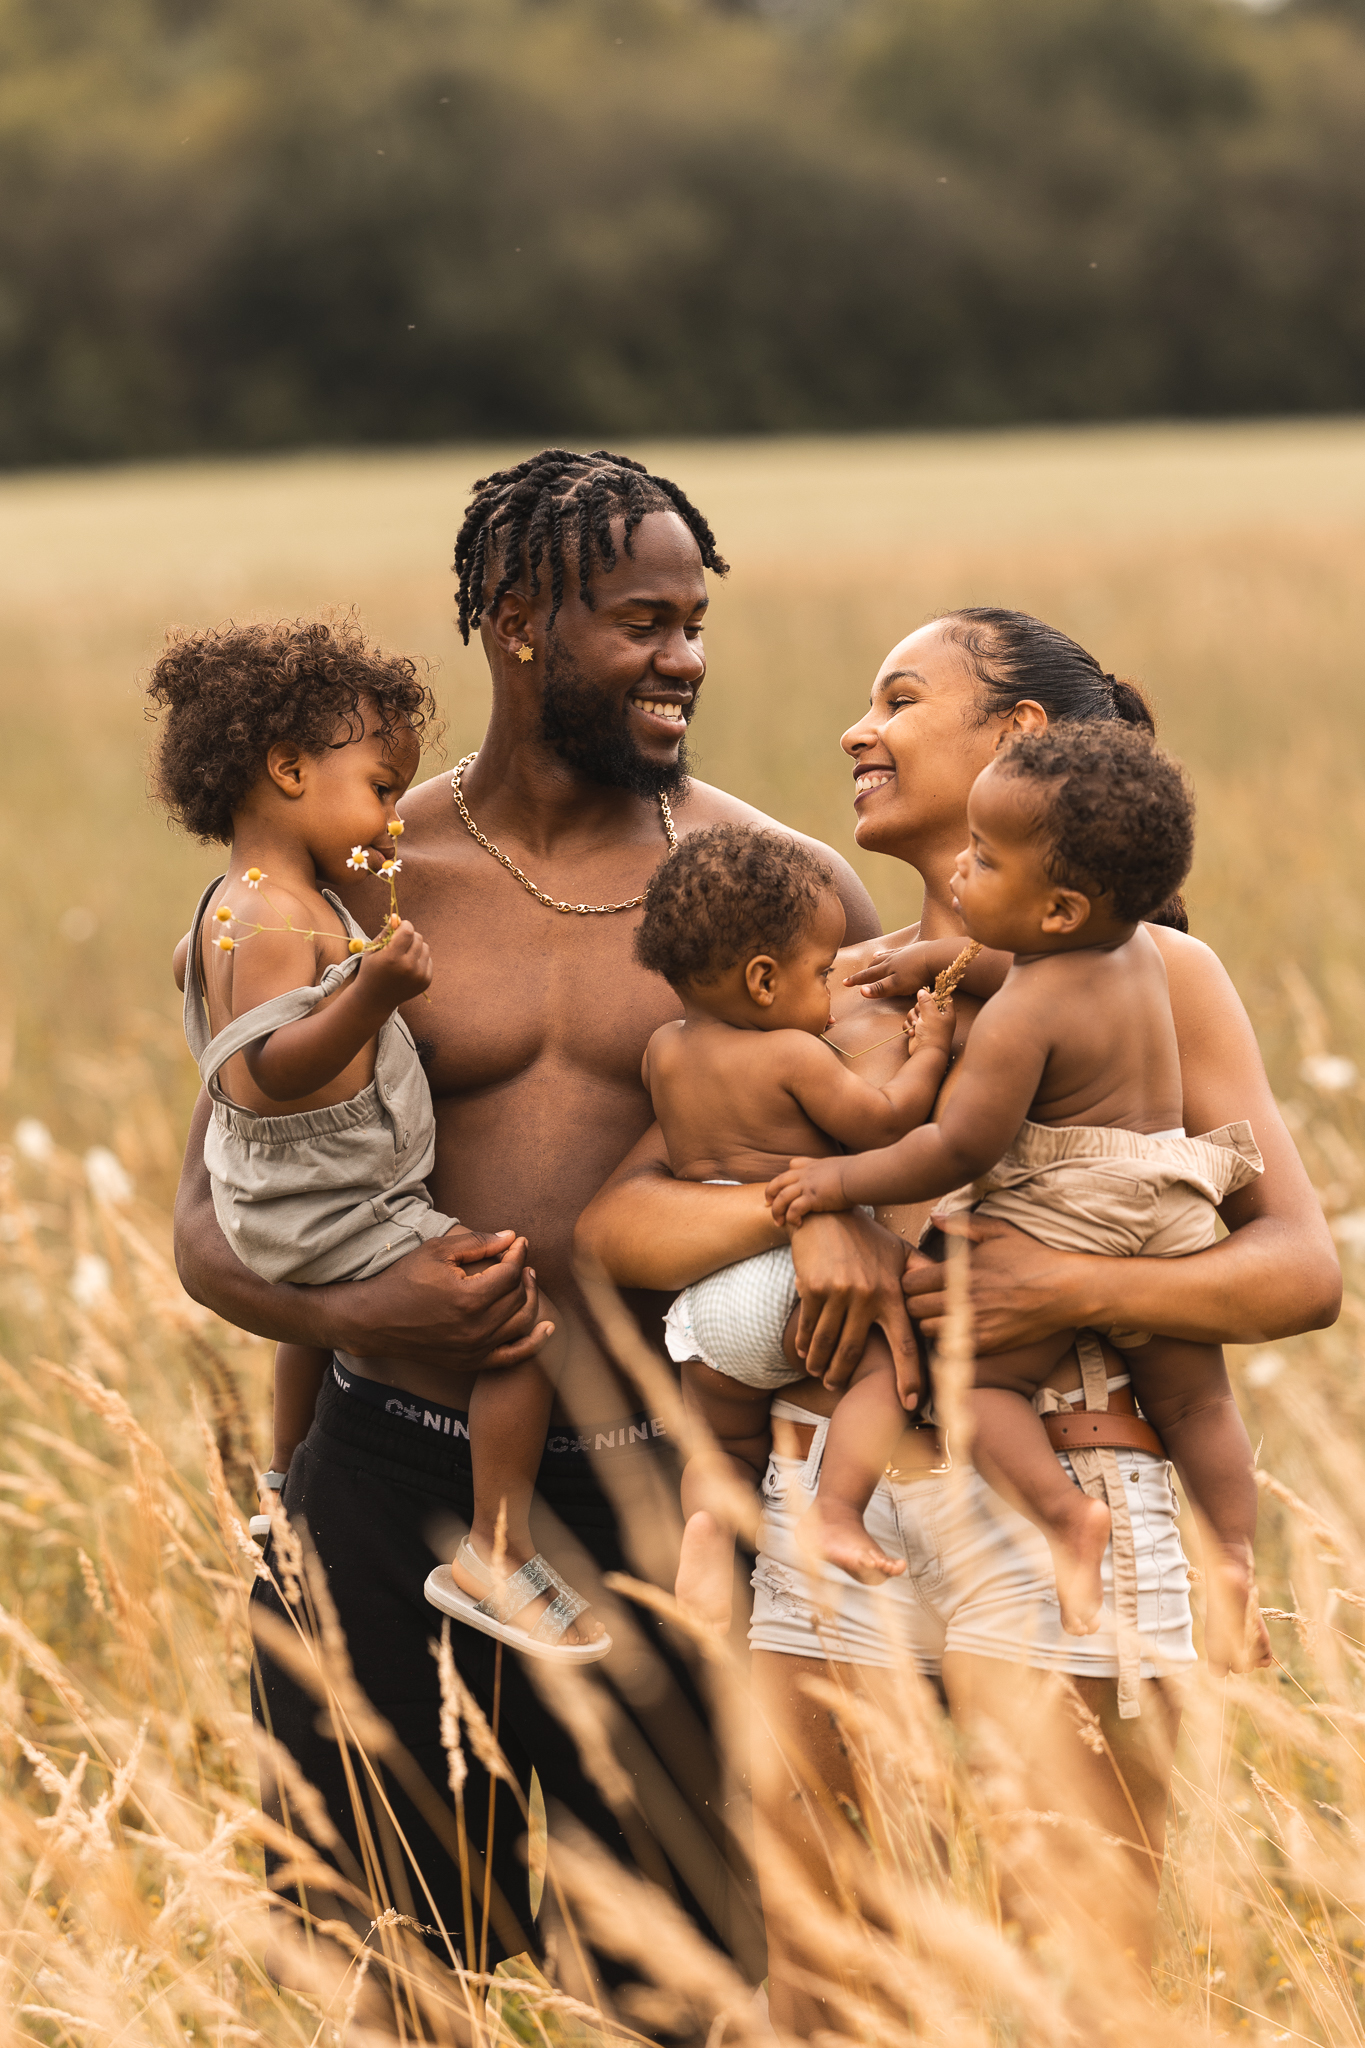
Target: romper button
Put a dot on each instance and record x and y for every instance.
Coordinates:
(1133, 1477)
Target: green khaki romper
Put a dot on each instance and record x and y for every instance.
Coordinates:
(328, 1194)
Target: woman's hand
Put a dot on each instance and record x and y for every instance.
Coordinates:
(1021, 1290)
(806, 1186)
(848, 1271)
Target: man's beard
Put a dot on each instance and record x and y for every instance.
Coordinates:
(592, 735)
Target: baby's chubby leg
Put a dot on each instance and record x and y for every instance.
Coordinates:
(1184, 1393)
(863, 1433)
(737, 1417)
(509, 1414)
(1013, 1454)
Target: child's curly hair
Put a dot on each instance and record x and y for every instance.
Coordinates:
(1119, 820)
(230, 693)
(728, 893)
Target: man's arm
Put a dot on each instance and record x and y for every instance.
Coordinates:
(651, 1231)
(425, 1309)
(1275, 1275)
(859, 909)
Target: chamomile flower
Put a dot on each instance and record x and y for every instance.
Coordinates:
(355, 946)
(254, 878)
(359, 858)
(223, 914)
(395, 828)
(227, 945)
(390, 867)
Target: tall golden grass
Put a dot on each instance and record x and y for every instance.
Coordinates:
(1220, 566)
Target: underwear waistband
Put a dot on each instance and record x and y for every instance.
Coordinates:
(631, 1433)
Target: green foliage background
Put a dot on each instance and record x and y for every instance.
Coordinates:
(257, 223)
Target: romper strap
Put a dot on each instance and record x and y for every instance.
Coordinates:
(213, 1054)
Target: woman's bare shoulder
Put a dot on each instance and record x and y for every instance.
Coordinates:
(1204, 1001)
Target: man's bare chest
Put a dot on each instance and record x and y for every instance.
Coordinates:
(521, 990)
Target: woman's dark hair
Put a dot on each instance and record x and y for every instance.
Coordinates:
(1115, 812)
(228, 694)
(1015, 657)
(728, 893)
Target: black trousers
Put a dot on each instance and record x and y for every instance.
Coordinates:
(381, 1501)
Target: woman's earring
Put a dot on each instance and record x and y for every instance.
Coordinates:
(525, 653)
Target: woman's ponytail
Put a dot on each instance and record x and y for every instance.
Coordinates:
(1130, 705)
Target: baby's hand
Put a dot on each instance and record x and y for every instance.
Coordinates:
(899, 971)
(807, 1185)
(401, 970)
(931, 1029)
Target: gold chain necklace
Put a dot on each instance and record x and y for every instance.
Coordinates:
(846, 1054)
(550, 902)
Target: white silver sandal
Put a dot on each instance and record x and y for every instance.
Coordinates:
(492, 1615)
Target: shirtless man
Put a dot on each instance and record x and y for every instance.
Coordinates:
(585, 578)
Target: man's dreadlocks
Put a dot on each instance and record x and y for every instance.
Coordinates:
(564, 503)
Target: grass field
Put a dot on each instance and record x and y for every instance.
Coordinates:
(1219, 566)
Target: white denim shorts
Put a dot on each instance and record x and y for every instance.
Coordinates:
(979, 1577)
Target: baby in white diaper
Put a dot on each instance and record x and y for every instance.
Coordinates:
(745, 925)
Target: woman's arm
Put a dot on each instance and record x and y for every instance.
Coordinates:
(1273, 1276)
(651, 1231)
(425, 1309)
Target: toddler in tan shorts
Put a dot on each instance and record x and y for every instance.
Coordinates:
(1064, 1118)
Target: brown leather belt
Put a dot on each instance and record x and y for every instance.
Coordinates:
(1100, 1429)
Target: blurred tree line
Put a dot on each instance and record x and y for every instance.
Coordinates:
(250, 223)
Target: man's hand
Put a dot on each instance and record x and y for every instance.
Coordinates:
(430, 1309)
(806, 1186)
(848, 1272)
(398, 971)
(1021, 1290)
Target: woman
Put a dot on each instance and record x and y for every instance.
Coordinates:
(945, 699)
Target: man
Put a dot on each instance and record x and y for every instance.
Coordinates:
(585, 578)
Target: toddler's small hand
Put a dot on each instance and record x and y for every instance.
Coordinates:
(932, 1028)
(402, 969)
(893, 971)
(807, 1185)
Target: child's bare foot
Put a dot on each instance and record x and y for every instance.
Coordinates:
(1079, 1540)
(1235, 1637)
(705, 1584)
(835, 1534)
(585, 1629)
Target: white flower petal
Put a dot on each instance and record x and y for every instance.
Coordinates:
(107, 1176)
(89, 1280)
(34, 1140)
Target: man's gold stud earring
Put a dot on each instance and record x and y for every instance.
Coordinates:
(525, 653)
